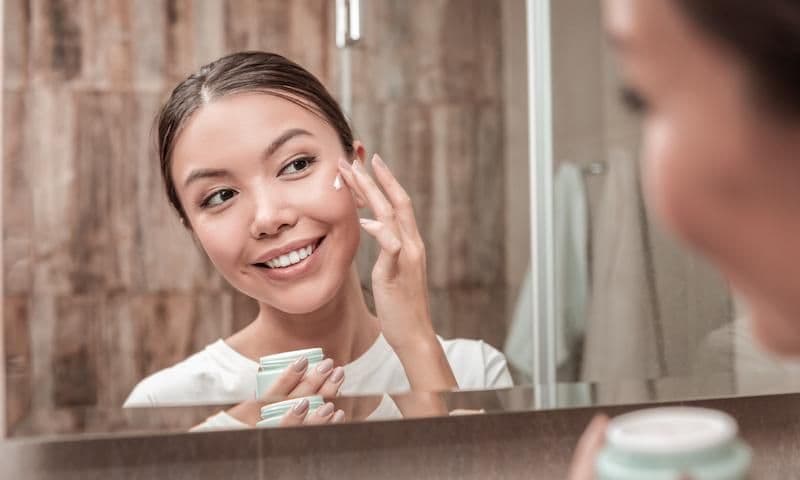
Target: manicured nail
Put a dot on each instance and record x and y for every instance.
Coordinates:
(301, 407)
(377, 160)
(325, 410)
(344, 165)
(337, 375)
(338, 417)
(337, 182)
(366, 221)
(300, 365)
(356, 165)
(325, 366)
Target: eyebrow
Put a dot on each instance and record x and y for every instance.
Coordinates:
(268, 152)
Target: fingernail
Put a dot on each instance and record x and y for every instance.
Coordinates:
(344, 165)
(300, 365)
(325, 410)
(325, 366)
(337, 375)
(337, 182)
(356, 165)
(365, 221)
(377, 160)
(301, 407)
(338, 417)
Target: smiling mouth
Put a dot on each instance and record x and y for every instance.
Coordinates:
(292, 258)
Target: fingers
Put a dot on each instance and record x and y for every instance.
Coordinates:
(346, 173)
(589, 445)
(314, 379)
(398, 197)
(384, 211)
(390, 244)
(288, 380)
(296, 415)
(330, 388)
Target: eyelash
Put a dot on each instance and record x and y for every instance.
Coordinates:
(633, 100)
(309, 160)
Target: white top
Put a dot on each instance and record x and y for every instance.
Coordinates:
(219, 374)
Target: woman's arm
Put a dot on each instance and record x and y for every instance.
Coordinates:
(399, 278)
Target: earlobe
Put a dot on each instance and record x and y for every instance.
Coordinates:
(359, 151)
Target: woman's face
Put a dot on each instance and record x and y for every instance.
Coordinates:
(719, 171)
(254, 173)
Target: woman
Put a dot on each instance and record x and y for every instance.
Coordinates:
(718, 85)
(254, 154)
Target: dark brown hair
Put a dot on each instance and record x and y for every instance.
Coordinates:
(243, 72)
(765, 35)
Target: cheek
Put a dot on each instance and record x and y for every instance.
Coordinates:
(688, 173)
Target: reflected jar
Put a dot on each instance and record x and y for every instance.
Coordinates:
(271, 367)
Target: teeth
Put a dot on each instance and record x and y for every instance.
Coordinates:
(290, 258)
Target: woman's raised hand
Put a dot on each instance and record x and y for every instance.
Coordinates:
(399, 278)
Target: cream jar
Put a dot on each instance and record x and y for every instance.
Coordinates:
(272, 414)
(671, 443)
(272, 366)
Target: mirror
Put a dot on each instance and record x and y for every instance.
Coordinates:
(103, 286)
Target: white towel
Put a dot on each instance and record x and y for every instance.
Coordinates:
(571, 272)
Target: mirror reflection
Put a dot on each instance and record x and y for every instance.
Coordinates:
(117, 294)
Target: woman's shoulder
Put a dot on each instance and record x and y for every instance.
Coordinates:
(476, 364)
(211, 375)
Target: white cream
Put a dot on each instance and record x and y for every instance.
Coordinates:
(337, 182)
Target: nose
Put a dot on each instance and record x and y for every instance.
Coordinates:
(271, 214)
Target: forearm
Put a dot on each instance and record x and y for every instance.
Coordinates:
(426, 366)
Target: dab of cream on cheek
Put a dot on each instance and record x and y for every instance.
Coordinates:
(337, 182)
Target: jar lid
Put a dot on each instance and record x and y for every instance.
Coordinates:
(671, 430)
(284, 359)
(277, 410)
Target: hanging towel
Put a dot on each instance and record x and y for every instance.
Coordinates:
(623, 339)
(571, 272)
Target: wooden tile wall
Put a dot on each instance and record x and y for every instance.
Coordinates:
(102, 285)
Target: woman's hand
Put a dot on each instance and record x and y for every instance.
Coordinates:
(399, 278)
(298, 381)
(582, 467)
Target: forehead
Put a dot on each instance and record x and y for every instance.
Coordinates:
(243, 124)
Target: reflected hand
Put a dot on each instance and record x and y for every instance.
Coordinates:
(296, 381)
(399, 278)
(299, 415)
(582, 467)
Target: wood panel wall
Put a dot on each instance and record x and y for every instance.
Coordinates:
(103, 286)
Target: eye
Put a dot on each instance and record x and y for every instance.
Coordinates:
(297, 165)
(218, 198)
(633, 100)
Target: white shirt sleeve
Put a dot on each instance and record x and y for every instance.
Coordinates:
(219, 421)
(495, 368)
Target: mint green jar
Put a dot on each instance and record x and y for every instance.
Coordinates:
(272, 414)
(272, 366)
(669, 443)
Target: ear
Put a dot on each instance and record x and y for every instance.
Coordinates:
(359, 150)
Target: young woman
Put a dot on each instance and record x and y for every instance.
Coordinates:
(718, 85)
(262, 168)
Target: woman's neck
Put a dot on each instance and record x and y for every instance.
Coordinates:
(344, 328)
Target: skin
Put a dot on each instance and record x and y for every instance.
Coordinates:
(243, 198)
(721, 171)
